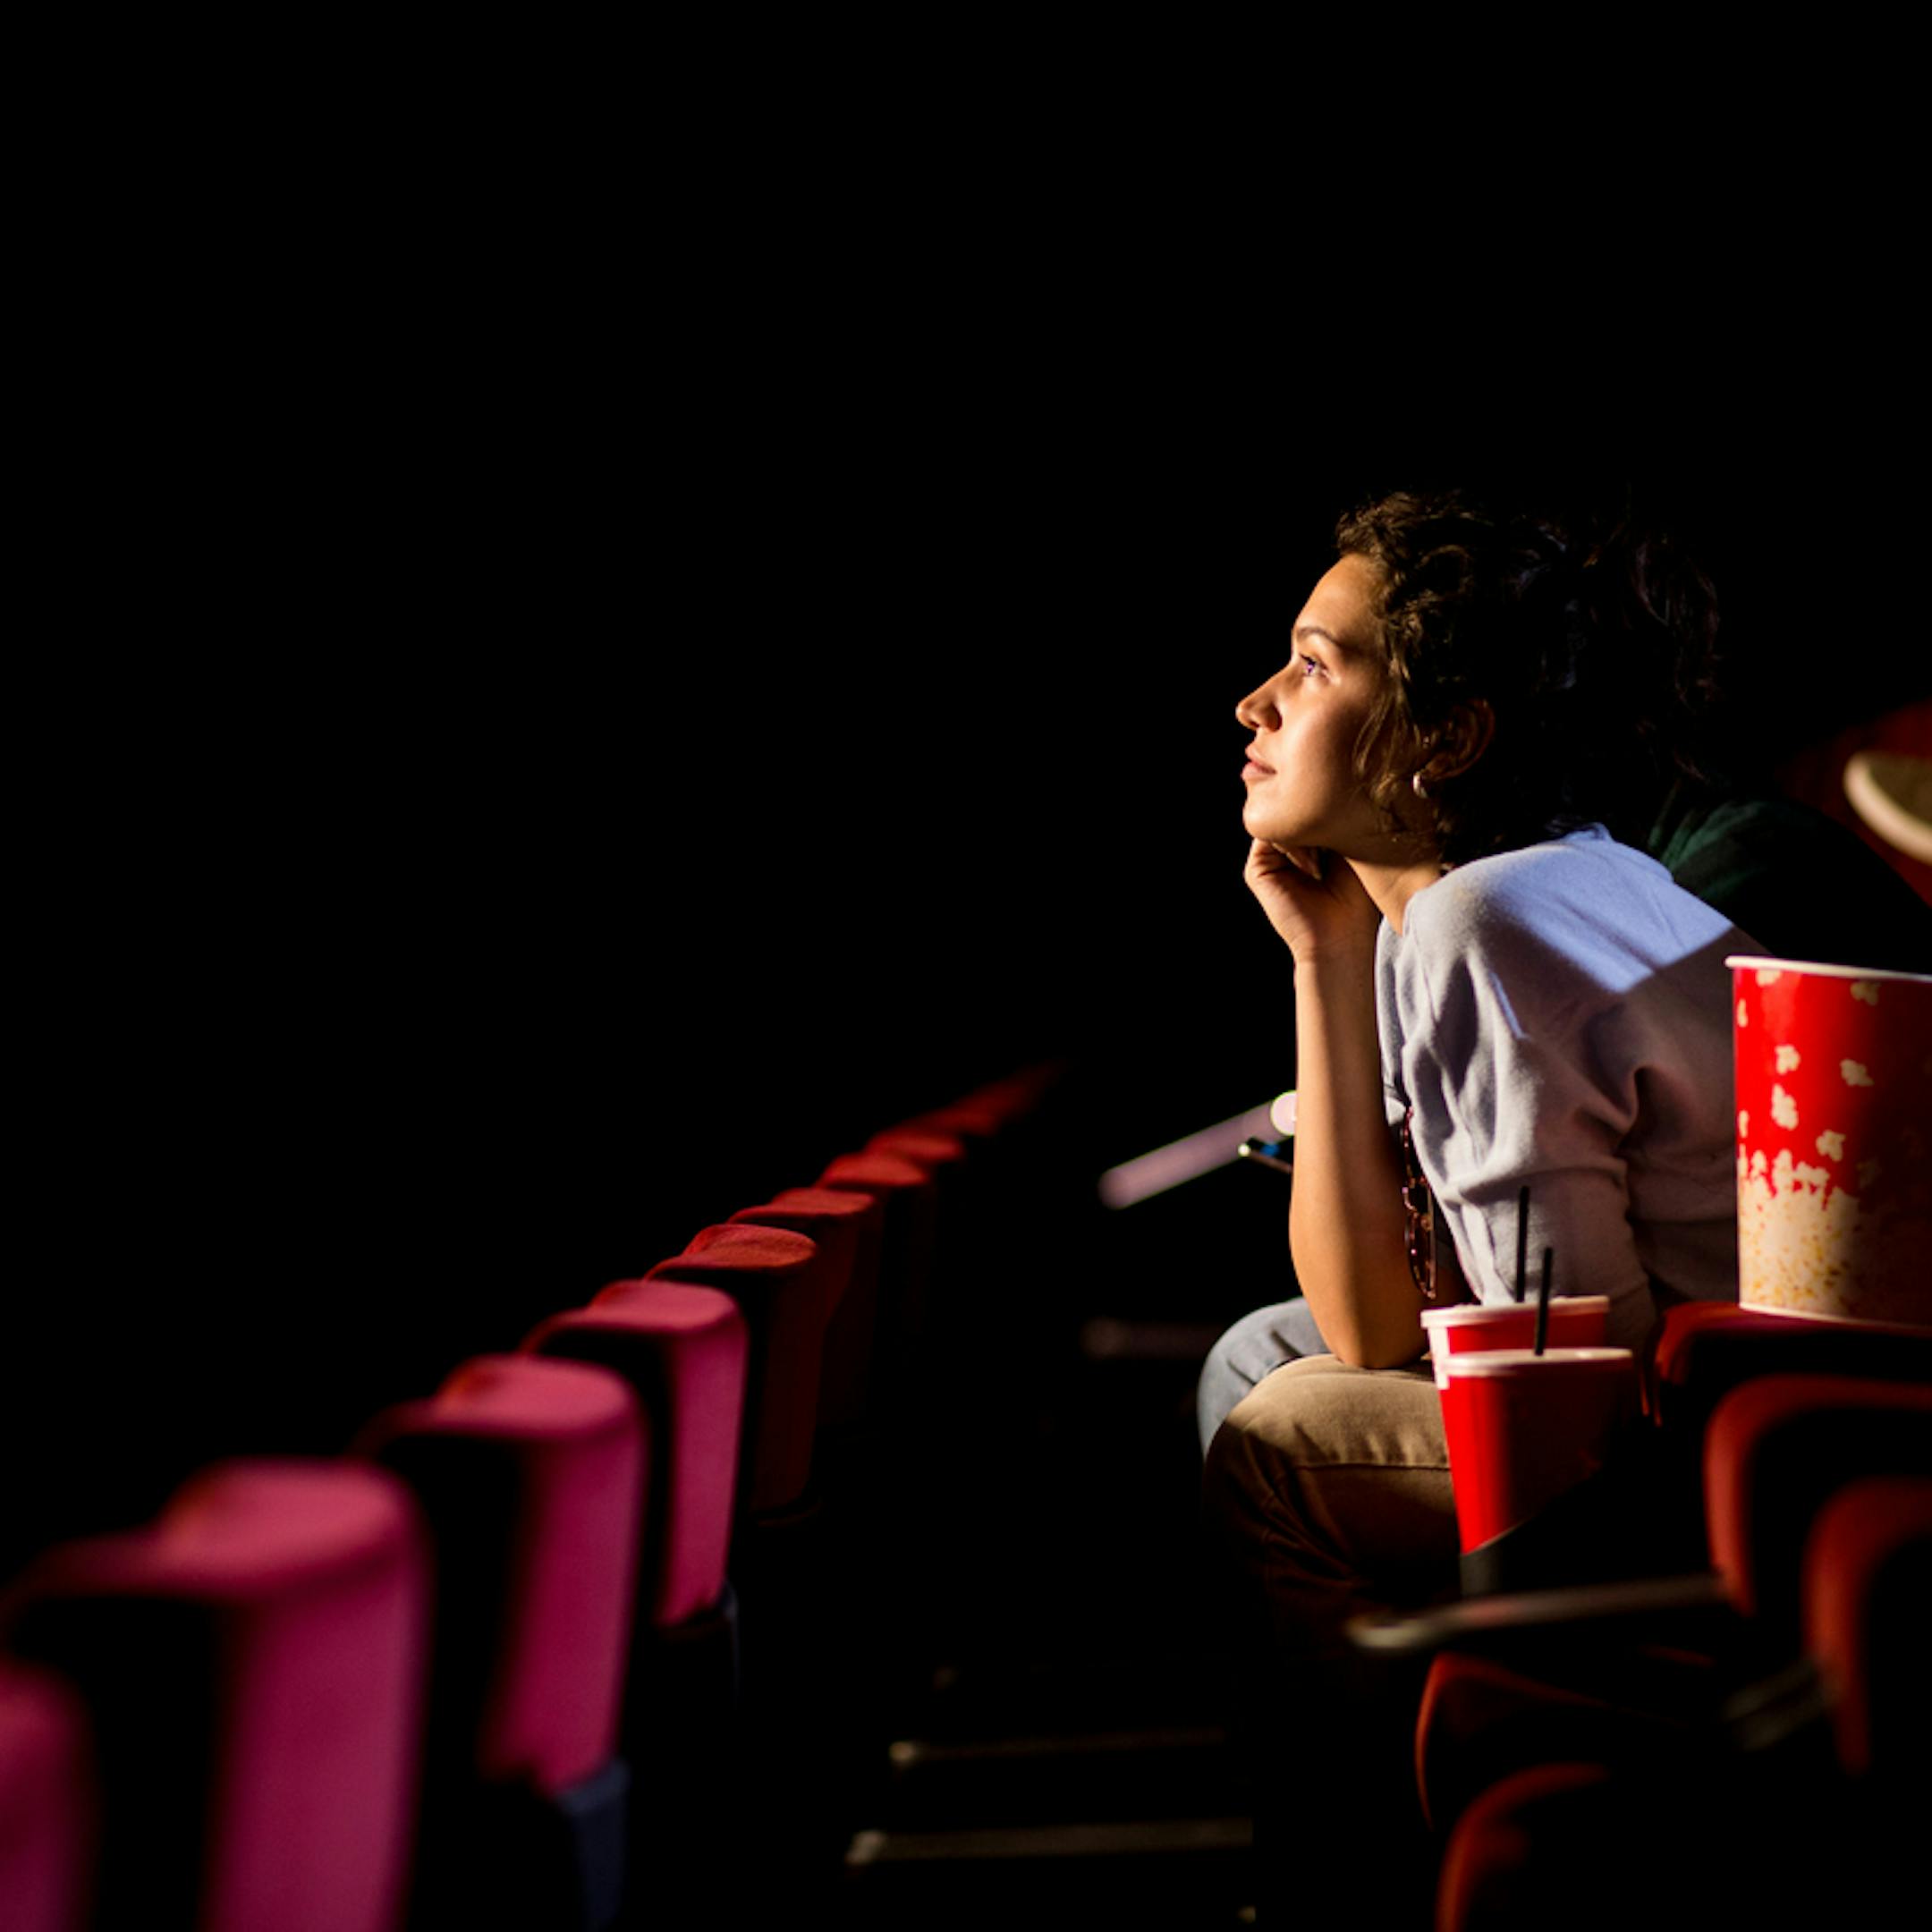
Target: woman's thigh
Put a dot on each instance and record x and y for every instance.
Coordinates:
(1251, 1350)
(1329, 1486)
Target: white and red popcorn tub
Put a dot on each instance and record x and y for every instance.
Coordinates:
(1833, 1139)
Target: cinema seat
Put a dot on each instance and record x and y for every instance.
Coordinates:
(1868, 1597)
(998, 1109)
(683, 1351)
(1778, 1449)
(1627, 1673)
(530, 1477)
(1807, 1807)
(1642, 1515)
(784, 1288)
(908, 1198)
(944, 1155)
(251, 1665)
(47, 1803)
(847, 1227)
(1705, 1350)
(795, 1594)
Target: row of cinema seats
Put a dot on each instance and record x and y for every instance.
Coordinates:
(592, 1636)
(1744, 1740)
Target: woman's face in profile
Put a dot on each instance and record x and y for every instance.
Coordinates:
(1307, 719)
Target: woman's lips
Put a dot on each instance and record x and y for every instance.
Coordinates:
(1255, 768)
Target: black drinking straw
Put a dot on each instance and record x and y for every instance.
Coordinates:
(1542, 1302)
(1522, 1239)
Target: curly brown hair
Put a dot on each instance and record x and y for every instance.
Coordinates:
(1590, 640)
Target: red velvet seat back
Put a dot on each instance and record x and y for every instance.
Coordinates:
(832, 1220)
(783, 1289)
(252, 1663)
(684, 1351)
(530, 1474)
(47, 1803)
(958, 1179)
(933, 1147)
(971, 1120)
(1705, 1349)
(1868, 1605)
(995, 1108)
(850, 1229)
(1496, 1868)
(1775, 1450)
(909, 1198)
(1672, 1354)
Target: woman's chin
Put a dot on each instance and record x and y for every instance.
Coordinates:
(1262, 825)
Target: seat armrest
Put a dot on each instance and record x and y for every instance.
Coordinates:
(1681, 1610)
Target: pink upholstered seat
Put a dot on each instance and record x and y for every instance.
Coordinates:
(47, 1803)
(252, 1664)
(994, 1109)
(532, 1477)
(849, 1227)
(836, 1221)
(845, 1223)
(886, 1175)
(925, 1145)
(969, 1119)
(684, 1351)
(909, 1198)
(784, 1288)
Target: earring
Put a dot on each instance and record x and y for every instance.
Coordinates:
(1421, 786)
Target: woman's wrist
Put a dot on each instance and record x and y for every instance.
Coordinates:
(1339, 964)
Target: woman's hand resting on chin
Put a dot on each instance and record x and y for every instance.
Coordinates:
(1315, 901)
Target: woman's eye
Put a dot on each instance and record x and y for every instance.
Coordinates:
(1310, 665)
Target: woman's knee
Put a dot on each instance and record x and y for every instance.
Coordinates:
(1249, 1351)
(1350, 1462)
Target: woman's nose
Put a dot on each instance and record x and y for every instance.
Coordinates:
(1257, 710)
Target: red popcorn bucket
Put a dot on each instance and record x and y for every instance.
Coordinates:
(1575, 1321)
(1524, 1427)
(1834, 1140)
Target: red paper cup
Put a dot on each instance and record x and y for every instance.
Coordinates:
(1523, 1428)
(1575, 1321)
(1834, 1140)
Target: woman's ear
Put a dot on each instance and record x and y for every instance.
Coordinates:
(1460, 743)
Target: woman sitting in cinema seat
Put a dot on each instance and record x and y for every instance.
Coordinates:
(1490, 992)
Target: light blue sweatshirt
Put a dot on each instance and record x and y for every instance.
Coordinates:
(1560, 1015)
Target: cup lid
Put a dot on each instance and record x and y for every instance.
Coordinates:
(1527, 1362)
(1474, 1311)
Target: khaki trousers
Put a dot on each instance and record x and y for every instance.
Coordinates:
(1328, 1489)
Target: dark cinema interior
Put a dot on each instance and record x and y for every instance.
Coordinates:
(480, 844)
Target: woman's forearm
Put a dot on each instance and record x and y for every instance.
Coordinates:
(1346, 1222)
